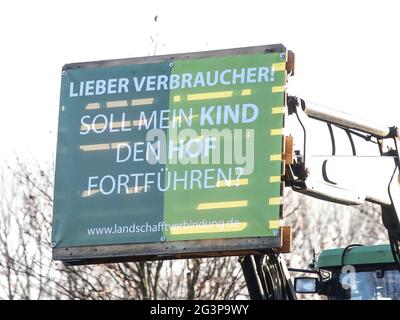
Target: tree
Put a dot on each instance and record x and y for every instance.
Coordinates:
(27, 271)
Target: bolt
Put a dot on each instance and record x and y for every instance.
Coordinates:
(53, 244)
(282, 55)
(171, 64)
(162, 239)
(275, 233)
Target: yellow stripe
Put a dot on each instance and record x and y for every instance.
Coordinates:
(279, 66)
(137, 123)
(135, 190)
(273, 179)
(177, 98)
(95, 126)
(117, 104)
(274, 224)
(246, 92)
(120, 124)
(209, 95)
(142, 102)
(115, 125)
(85, 193)
(222, 205)
(277, 89)
(277, 110)
(102, 146)
(91, 106)
(95, 147)
(115, 144)
(228, 183)
(276, 132)
(275, 157)
(175, 230)
(274, 201)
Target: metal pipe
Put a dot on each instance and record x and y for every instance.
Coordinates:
(252, 279)
(345, 120)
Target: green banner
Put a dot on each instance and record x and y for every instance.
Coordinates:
(168, 151)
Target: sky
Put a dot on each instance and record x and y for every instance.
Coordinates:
(346, 51)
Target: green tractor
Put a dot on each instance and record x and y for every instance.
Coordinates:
(354, 273)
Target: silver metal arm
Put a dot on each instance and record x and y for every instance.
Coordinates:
(351, 179)
(346, 120)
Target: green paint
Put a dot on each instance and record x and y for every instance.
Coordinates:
(364, 255)
(104, 215)
(181, 205)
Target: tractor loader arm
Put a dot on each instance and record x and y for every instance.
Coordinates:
(344, 179)
(353, 179)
